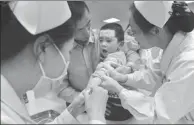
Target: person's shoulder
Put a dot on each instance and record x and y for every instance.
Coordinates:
(189, 37)
(4, 81)
(5, 119)
(187, 48)
(183, 63)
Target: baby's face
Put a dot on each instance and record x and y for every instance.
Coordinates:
(108, 42)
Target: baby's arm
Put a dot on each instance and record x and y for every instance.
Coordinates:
(95, 78)
(117, 57)
(138, 79)
(133, 60)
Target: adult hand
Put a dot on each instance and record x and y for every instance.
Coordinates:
(123, 69)
(95, 78)
(108, 65)
(95, 103)
(77, 106)
(121, 78)
(111, 85)
(137, 65)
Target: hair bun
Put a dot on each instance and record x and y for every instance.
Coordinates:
(6, 13)
(183, 15)
(4, 3)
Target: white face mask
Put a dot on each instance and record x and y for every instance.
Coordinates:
(50, 85)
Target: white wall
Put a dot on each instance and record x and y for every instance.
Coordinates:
(191, 6)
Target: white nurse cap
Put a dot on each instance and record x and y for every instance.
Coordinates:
(155, 12)
(40, 16)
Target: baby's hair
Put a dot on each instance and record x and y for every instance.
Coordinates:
(119, 32)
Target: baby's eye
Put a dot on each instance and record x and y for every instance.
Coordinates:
(100, 40)
(108, 41)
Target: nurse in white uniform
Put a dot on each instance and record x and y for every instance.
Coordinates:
(169, 26)
(28, 59)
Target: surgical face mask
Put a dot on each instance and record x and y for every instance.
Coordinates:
(47, 85)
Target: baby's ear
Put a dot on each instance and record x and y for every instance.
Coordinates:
(155, 30)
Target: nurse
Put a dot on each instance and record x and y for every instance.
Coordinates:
(168, 25)
(28, 59)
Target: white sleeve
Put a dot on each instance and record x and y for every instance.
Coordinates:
(148, 77)
(96, 122)
(139, 105)
(144, 79)
(5, 119)
(172, 101)
(175, 98)
(65, 118)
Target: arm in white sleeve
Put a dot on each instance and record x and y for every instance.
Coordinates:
(5, 119)
(65, 118)
(145, 74)
(97, 122)
(139, 105)
(143, 79)
(68, 93)
(172, 101)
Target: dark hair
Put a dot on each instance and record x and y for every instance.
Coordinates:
(77, 9)
(129, 31)
(119, 32)
(182, 19)
(14, 37)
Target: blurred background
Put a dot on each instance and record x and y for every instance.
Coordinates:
(113, 11)
(108, 11)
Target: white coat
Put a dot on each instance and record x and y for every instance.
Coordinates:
(173, 101)
(13, 110)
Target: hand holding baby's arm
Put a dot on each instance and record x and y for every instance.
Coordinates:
(95, 78)
(124, 69)
(101, 70)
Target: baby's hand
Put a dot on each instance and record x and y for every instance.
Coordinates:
(136, 66)
(96, 77)
(124, 70)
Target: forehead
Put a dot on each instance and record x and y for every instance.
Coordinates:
(84, 20)
(107, 33)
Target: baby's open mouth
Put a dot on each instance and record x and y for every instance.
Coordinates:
(104, 51)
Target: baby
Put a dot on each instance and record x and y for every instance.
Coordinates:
(111, 40)
(124, 52)
(129, 56)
